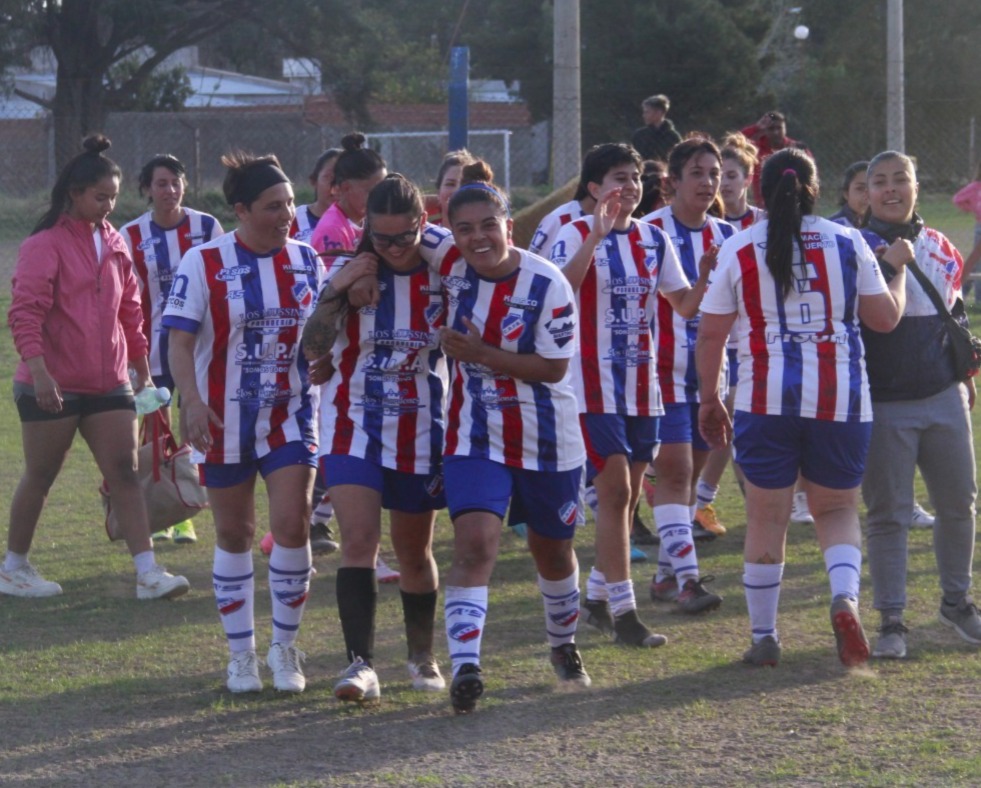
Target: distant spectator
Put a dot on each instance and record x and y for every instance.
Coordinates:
(854, 196)
(769, 134)
(969, 199)
(656, 138)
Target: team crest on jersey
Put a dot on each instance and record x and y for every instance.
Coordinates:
(434, 312)
(148, 243)
(303, 294)
(512, 327)
(568, 511)
(464, 632)
(561, 326)
(434, 485)
(228, 274)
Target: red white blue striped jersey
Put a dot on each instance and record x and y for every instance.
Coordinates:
(156, 254)
(617, 361)
(534, 426)
(304, 223)
(803, 355)
(748, 219)
(675, 336)
(385, 401)
(248, 314)
(549, 226)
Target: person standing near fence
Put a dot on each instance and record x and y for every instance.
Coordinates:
(235, 314)
(922, 418)
(794, 286)
(157, 240)
(75, 320)
(449, 178)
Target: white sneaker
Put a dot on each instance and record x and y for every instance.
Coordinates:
(26, 581)
(158, 583)
(358, 683)
(284, 662)
(921, 517)
(799, 513)
(425, 674)
(243, 672)
(384, 573)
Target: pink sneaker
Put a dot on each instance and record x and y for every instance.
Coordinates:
(385, 573)
(266, 544)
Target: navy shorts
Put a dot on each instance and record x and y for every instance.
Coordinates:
(414, 493)
(72, 405)
(217, 475)
(547, 501)
(607, 434)
(680, 425)
(771, 449)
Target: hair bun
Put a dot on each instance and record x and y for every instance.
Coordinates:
(353, 141)
(477, 172)
(96, 144)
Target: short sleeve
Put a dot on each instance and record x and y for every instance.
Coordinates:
(555, 333)
(720, 297)
(568, 241)
(187, 303)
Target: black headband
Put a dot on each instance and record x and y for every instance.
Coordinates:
(255, 181)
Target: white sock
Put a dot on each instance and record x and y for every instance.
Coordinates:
(465, 611)
(14, 561)
(596, 586)
(704, 494)
(289, 587)
(622, 597)
(561, 600)
(844, 565)
(761, 583)
(234, 583)
(144, 561)
(677, 546)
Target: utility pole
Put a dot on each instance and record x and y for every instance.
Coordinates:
(459, 109)
(567, 96)
(895, 88)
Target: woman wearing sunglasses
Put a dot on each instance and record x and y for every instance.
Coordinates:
(381, 434)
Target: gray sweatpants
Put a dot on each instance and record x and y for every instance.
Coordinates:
(934, 434)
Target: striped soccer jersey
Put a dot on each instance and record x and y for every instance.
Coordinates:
(548, 228)
(748, 219)
(304, 223)
(534, 426)
(616, 364)
(385, 401)
(675, 336)
(801, 355)
(248, 314)
(156, 253)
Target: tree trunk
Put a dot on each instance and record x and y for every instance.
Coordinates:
(79, 110)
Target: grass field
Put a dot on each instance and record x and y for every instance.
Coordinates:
(99, 689)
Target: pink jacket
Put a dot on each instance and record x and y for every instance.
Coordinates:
(82, 314)
(969, 199)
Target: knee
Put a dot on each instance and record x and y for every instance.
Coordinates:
(358, 545)
(473, 556)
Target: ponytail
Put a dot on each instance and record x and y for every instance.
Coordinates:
(790, 188)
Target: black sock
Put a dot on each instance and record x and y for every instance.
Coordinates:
(419, 613)
(357, 598)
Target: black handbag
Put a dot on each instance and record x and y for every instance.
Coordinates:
(965, 347)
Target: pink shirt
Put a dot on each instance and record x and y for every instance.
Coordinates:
(335, 231)
(80, 312)
(969, 199)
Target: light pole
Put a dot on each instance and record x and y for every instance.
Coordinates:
(895, 95)
(566, 95)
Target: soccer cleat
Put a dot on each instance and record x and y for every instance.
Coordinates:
(184, 533)
(384, 573)
(921, 517)
(629, 631)
(638, 556)
(763, 653)
(964, 619)
(466, 688)
(799, 511)
(158, 583)
(596, 613)
(359, 683)
(640, 533)
(425, 674)
(709, 520)
(892, 640)
(322, 539)
(284, 662)
(163, 536)
(700, 534)
(27, 582)
(665, 590)
(853, 646)
(693, 598)
(243, 672)
(567, 664)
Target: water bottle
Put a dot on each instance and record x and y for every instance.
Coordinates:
(150, 398)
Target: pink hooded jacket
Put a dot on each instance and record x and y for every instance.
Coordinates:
(82, 314)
